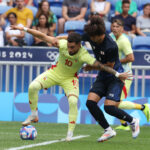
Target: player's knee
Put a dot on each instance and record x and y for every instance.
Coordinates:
(73, 101)
(34, 86)
(90, 104)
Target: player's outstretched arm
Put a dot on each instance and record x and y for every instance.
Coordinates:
(35, 33)
(98, 66)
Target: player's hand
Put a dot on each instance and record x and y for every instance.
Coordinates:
(125, 76)
(13, 27)
(87, 67)
(55, 42)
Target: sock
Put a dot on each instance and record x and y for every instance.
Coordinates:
(124, 123)
(97, 113)
(33, 90)
(129, 105)
(73, 112)
(143, 107)
(34, 113)
(118, 113)
(108, 129)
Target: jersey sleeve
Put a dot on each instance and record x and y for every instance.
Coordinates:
(85, 57)
(126, 47)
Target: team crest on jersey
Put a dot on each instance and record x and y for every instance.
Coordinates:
(102, 53)
(45, 78)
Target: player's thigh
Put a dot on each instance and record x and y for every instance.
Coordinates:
(114, 90)
(126, 89)
(97, 90)
(46, 79)
(71, 86)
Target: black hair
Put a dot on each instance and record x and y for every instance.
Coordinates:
(11, 13)
(147, 4)
(74, 37)
(47, 25)
(96, 26)
(125, 2)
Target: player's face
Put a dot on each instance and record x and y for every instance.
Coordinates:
(73, 48)
(98, 38)
(117, 29)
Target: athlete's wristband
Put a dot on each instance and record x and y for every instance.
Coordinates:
(25, 29)
(117, 74)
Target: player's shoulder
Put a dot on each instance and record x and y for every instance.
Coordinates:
(110, 43)
(124, 39)
(82, 51)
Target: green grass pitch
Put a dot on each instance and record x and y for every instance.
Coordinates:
(9, 138)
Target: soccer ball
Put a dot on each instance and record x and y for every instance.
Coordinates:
(28, 132)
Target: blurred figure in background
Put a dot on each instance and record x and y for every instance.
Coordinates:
(143, 22)
(1, 37)
(72, 10)
(24, 15)
(102, 7)
(132, 11)
(128, 20)
(6, 2)
(14, 37)
(44, 8)
(126, 57)
(42, 26)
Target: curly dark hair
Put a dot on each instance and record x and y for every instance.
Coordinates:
(74, 37)
(96, 26)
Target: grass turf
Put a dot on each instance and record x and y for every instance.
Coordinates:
(9, 137)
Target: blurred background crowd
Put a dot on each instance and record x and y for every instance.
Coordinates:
(59, 17)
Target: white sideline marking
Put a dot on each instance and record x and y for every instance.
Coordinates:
(46, 143)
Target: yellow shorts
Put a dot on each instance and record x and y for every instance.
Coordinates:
(126, 89)
(50, 78)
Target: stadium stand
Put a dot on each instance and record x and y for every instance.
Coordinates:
(57, 3)
(108, 26)
(141, 3)
(75, 26)
(3, 9)
(57, 10)
(141, 43)
(34, 10)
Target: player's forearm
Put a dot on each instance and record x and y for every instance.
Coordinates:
(99, 66)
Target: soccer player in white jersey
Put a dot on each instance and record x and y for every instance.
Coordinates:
(71, 58)
(126, 57)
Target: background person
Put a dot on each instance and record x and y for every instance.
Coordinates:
(126, 57)
(44, 27)
(143, 22)
(102, 7)
(14, 37)
(132, 10)
(44, 8)
(128, 20)
(24, 14)
(72, 10)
